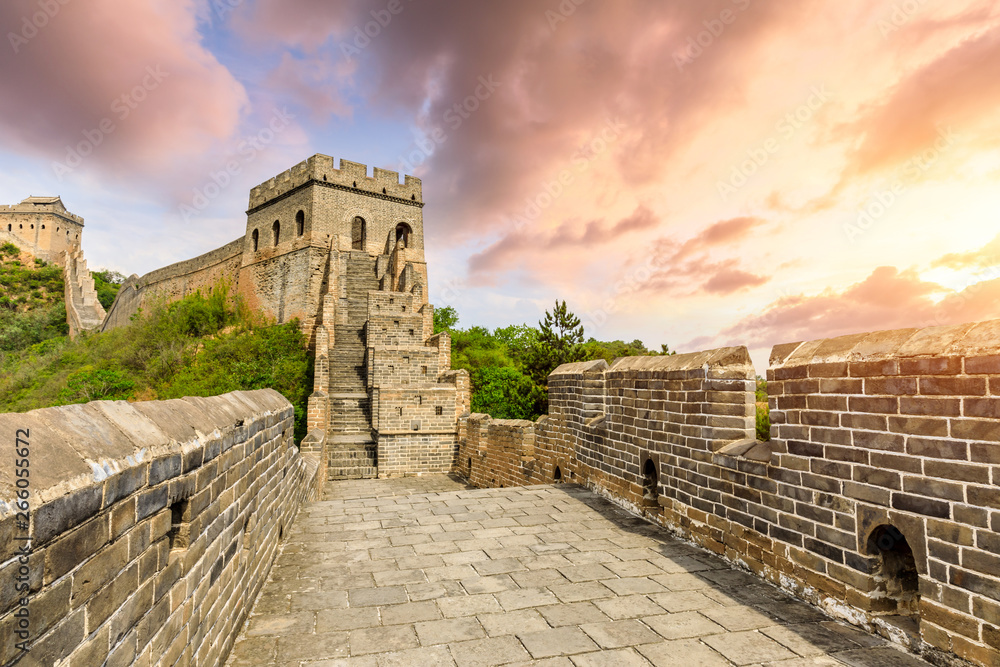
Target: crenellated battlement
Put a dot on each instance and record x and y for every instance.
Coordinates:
(54, 207)
(350, 175)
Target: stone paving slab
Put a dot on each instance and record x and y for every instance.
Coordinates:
(427, 571)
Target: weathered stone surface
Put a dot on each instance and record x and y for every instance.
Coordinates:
(717, 611)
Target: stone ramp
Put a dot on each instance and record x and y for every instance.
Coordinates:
(427, 571)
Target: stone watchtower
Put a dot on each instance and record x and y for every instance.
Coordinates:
(44, 229)
(344, 253)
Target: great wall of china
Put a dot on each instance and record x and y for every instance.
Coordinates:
(154, 524)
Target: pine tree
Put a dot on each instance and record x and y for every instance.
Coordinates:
(560, 341)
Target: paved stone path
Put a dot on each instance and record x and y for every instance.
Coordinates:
(426, 571)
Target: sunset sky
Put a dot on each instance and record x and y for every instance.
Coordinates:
(692, 173)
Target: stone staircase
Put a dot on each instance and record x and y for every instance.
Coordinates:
(351, 448)
(84, 312)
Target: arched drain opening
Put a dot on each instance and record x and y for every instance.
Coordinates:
(894, 570)
(650, 484)
(470, 464)
(557, 475)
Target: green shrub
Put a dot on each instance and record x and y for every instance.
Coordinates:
(251, 358)
(19, 330)
(92, 384)
(504, 393)
(763, 422)
(763, 413)
(9, 250)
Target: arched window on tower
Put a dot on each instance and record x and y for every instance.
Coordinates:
(255, 238)
(358, 234)
(403, 232)
(300, 223)
(276, 230)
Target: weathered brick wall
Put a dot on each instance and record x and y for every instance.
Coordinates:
(514, 452)
(397, 366)
(416, 428)
(463, 389)
(416, 452)
(877, 497)
(153, 526)
(497, 452)
(901, 429)
(441, 343)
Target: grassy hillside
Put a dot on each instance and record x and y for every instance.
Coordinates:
(199, 346)
(31, 300)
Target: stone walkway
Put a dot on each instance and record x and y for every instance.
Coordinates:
(426, 571)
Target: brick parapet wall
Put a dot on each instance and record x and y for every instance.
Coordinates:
(903, 429)
(153, 525)
(891, 433)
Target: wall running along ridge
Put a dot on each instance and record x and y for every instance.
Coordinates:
(877, 498)
(176, 281)
(153, 526)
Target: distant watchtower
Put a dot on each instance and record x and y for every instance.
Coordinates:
(42, 227)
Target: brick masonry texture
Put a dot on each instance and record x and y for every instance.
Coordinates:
(883, 444)
(154, 525)
(42, 227)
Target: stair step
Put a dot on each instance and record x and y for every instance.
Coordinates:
(348, 439)
(367, 472)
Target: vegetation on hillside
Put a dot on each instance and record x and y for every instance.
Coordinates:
(198, 346)
(763, 413)
(31, 300)
(107, 283)
(509, 366)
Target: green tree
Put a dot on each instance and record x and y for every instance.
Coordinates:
(519, 339)
(560, 341)
(445, 319)
(107, 283)
(504, 393)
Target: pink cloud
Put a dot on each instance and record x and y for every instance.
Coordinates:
(305, 23)
(886, 299)
(953, 90)
(310, 83)
(130, 79)
(698, 264)
(728, 280)
(544, 113)
(519, 244)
